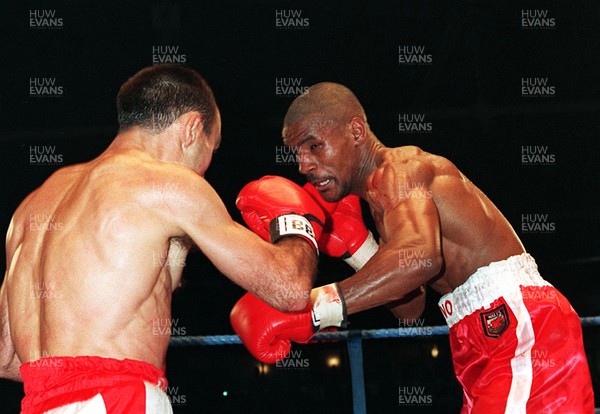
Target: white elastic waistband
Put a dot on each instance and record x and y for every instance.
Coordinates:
(489, 283)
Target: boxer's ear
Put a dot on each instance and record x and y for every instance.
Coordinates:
(192, 128)
(358, 129)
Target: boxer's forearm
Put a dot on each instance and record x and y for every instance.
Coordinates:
(385, 278)
(294, 268)
(281, 274)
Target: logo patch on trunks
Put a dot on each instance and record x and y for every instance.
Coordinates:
(495, 321)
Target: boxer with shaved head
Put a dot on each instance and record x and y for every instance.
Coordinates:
(437, 229)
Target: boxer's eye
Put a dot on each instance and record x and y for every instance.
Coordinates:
(314, 146)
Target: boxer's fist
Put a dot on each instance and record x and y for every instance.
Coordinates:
(274, 207)
(345, 234)
(267, 333)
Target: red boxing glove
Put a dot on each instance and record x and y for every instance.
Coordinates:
(263, 328)
(274, 207)
(267, 333)
(345, 234)
(328, 206)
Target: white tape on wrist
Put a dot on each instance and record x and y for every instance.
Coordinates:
(293, 225)
(328, 307)
(364, 253)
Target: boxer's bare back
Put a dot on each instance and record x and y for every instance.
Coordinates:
(93, 265)
(436, 226)
(94, 254)
(415, 193)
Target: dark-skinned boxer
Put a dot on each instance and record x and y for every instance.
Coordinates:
(506, 322)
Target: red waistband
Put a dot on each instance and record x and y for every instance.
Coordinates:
(52, 382)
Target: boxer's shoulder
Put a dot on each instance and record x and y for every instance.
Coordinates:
(413, 156)
(414, 164)
(406, 152)
(39, 200)
(171, 190)
(144, 176)
(398, 165)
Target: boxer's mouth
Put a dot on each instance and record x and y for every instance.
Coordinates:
(322, 184)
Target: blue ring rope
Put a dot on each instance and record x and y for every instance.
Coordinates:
(421, 331)
(354, 338)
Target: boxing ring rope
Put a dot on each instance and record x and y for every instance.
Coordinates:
(355, 354)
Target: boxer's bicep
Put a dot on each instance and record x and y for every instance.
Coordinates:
(241, 255)
(411, 254)
(414, 225)
(410, 218)
(202, 216)
(410, 307)
(409, 258)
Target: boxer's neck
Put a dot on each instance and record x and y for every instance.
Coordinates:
(369, 161)
(162, 146)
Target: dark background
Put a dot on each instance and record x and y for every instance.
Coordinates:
(471, 94)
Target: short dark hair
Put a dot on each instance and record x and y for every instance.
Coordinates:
(156, 96)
